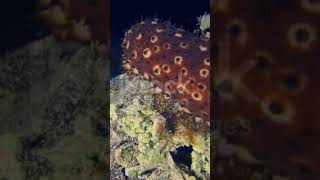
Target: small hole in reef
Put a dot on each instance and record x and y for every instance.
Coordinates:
(182, 155)
(191, 81)
(276, 108)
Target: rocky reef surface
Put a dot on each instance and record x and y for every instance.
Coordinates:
(147, 145)
(52, 118)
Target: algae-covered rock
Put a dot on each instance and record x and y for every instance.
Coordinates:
(52, 119)
(142, 147)
(9, 164)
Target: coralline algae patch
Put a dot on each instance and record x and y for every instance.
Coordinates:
(79, 20)
(141, 146)
(176, 62)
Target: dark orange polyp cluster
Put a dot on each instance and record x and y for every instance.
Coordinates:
(176, 62)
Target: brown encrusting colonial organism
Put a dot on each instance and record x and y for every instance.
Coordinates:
(177, 62)
(267, 79)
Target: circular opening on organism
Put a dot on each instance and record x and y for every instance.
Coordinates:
(235, 30)
(138, 45)
(183, 44)
(156, 70)
(153, 38)
(156, 48)
(191, 81)
(134, 54)
(166, 46)
(184, 71)
(276, 108)
(302, 35)
(196, 96)
(206, 61)
(169, 87)
(166, 68)
(204, 72)
(201, 87)
(146, 53)
(178, 60)
(263, 62)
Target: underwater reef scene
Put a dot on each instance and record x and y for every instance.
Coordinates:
(52, 118)
(53, 94)
(266, 59)
(154, 135)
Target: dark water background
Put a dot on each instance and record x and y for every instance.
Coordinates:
(18, 24)
(126, 13)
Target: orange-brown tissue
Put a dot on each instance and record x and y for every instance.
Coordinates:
(176, 62)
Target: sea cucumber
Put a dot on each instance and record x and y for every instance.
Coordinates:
(176, 61)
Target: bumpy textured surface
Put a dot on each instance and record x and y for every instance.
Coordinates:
(177, 63)
(141, 145)
(267, 61)
(52, 120)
